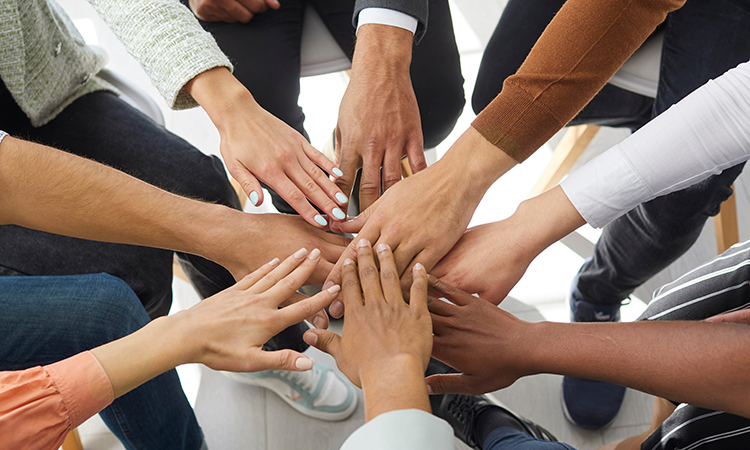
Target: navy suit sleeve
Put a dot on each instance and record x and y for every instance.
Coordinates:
(415, 8)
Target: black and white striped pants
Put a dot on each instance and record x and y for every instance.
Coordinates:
(719, 286)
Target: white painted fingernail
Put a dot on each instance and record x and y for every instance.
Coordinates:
(314, 254)
(338, 172)
(334, 289)
(320, 220)
(363, 243)
(303, 364)
(273, 262)
(254, 198)
(382, 247)
(341, 197)
(299, 254)
(418, 266)
(339, 214)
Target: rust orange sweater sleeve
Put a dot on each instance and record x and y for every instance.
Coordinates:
(583, 46)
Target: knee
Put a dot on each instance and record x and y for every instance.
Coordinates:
(113, 305)
(439, 119)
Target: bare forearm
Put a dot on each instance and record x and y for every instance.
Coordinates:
(398, 386)
(704, 364)
(53, 191)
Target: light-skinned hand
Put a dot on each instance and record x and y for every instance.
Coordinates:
(379, 120)
(231, 10)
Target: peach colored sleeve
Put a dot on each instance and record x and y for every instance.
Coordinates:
(39, 406)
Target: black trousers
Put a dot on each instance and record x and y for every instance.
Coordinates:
(703, 39)
(266, 57)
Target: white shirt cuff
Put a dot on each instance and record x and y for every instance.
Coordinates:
(2, 135)
(384, 16)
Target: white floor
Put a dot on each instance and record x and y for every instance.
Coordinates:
(236, 416)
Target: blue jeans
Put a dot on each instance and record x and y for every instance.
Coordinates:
(48, 319)
(703, 39)
(101, 127)
(512, 439)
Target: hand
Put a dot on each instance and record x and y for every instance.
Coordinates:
(379, 119)
(478, 339)
(230, 10)
(424, 215)
(258, 146)
(385, 345)
(487, 260)
(246, 240)
(229, 329)
(381, 331)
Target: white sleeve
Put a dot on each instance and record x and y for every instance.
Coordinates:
(384, 16)
(2, 135)
(705, 133)
(405, 429)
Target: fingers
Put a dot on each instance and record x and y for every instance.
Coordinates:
(319, 318)
(418, 291)
(324, 340)
(320, 159)
(350, 288)
(273, 4)
(281, 360)
(309, 308)
(415, 152)
(289, 191)
(453, 294)
(391, 168)
(449, 383)
(248, 182)
(389, 278)
(354, 225)
(368, 272)
(335, 277)
(369, 184)
(441, 308)
(252, 278)
(348, 165)
(238, 11)
(289, 284)
(277, 274)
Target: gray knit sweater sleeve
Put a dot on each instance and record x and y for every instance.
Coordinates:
(415, 8)
(168, 41)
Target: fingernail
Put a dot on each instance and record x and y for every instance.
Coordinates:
(338, 172)
(314, 254)
(299, 254)
(319, 323)
(320, 220)
(336, 309)
(310, 338)
(429, 389)
(254, 198)
(328, 284)
(348, 261)
(382, 247)
(363, 243)
(341, 197)
(339, 214)
(273, 262)
(334, 289)
(303, 364)
(418, 266)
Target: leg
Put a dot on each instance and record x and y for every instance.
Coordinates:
(53, 318)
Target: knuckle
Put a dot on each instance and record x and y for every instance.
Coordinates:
(295, 196)
(310, 185)
(388, 275)
(316, 172)
(350, 283)
(368, 271)
(285, 359)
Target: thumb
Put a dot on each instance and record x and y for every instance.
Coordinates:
(324, 340)
(449, 383)
(281, 360)
(354, 225)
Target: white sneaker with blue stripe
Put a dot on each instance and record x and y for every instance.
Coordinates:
(319, 392)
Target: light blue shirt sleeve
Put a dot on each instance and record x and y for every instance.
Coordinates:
(405, 429)
(2, 135)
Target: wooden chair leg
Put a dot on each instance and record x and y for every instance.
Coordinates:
(72, 441)
(727, 233)
(566, 154)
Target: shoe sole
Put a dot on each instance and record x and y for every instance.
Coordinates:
(545, 434)
(328, 417)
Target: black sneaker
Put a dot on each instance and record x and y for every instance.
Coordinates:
(461, 412)
(590, 404)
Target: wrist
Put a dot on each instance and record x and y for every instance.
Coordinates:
(394, 383)
(220, 94)
(546, 219)
(219, 239)
(382, 49)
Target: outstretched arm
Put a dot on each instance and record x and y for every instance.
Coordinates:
(50, 190)
(492, 349)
